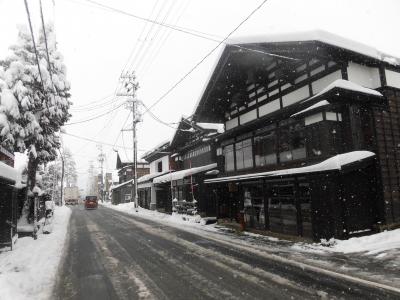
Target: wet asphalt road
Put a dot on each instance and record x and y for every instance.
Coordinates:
(112, 255)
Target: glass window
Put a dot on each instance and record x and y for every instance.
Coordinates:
(229, 158)
(298, 141)
(265, 149)
(284, 145)
(292, 142)
(244, 154)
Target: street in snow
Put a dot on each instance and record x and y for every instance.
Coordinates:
(207, 149)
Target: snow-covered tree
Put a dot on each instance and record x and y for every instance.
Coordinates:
(69, 168)
(51, 179)
(38, 105)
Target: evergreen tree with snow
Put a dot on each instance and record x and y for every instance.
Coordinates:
(36, 109)
(69, 169)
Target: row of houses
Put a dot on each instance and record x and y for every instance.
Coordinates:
(297, 134)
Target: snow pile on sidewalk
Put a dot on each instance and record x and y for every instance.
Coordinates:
(174, 219)
(371, 244)
(378, 245)
(29, 271)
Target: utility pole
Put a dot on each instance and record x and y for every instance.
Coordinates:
(130, 86)
(101, 158)
(62, 177)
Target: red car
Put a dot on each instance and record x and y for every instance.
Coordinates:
(91, 202)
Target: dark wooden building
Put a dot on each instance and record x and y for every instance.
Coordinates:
(8, 205)
(122, 192)
(192, 160)
(311, 141)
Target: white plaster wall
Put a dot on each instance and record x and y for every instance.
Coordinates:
(231, 123)
(331, 116)
(165, 164)
(269, 107)
(313, 119)
(392, 78)
(363, 75)
(323, 82)
(249, 116)
(295, 96)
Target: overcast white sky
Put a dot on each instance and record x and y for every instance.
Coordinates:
(97, 43)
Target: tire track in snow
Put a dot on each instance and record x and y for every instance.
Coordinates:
(203, 284)
(351, 285)
(118, 270)
(224, 262)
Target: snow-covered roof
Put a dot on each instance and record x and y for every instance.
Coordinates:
(346, 85)
(299, 36)
(212, 126)
(8, 173)
(113, 187)
(316, 105)
(158, 146)
(183, 173)
(148, 177)
(336, 162)
(126, 157)
(321, 36)
(339, 83)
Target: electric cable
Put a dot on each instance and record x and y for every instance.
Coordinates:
(96, 117)
(205, 57)
(34, 44)
(163, 41)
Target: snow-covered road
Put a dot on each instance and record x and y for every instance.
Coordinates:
(113, 255)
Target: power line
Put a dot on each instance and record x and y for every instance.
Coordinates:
(110, 102)
(34, 44)
(96, 117)
(205, 57)
(146, 52)
(189, 31)
(95, 101)
(99, 142)
(123, 125)
(141, 32)
(140, 51)
(163, 41)
(94, 106)
(46, 47)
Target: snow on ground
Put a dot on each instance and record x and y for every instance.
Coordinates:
(377, 245)
(29, 271)
(174, 219)
(371, 244)
(347, 257)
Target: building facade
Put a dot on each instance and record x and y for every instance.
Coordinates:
(152, 196)
(193, 159)
(311, 137)
(123, 192)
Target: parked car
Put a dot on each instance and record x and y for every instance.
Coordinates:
(91, 202)
(71, 201)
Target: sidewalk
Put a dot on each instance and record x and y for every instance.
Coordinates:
(375, 258)
(28, 272)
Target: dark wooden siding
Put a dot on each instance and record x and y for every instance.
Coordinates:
(387, 124)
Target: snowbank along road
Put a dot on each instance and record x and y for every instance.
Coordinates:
(112, 255)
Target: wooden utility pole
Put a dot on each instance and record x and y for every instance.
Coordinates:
(130, 86)
(101, 158)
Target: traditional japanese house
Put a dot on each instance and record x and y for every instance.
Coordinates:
(312, 134)
(151, 196)
(122, 192)
(193, 159)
